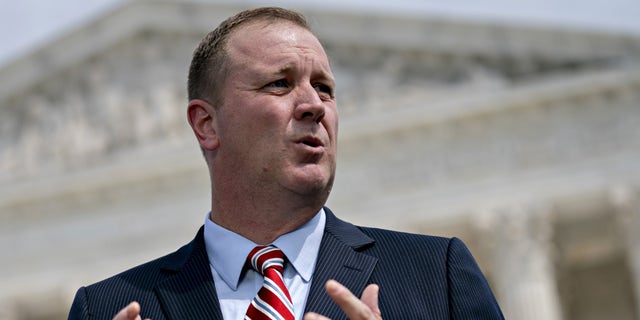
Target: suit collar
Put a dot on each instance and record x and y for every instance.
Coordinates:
(189, 291)
(340, 258)
(346, 232)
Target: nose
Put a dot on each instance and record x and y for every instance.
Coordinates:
(309, 106)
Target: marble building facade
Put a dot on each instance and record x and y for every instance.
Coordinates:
(523, 141)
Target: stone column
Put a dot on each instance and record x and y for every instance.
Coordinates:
(519, 240)
(626, 201)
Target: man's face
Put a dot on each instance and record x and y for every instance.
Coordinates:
(277, 122)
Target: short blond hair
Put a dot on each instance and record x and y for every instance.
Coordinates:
(209, 65)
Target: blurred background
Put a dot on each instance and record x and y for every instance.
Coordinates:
(513, 125)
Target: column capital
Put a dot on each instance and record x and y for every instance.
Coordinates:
(520, 238)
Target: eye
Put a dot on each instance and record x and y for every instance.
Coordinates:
(281, 83)
(324, 91)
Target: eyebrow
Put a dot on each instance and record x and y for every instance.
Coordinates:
(321, 74)
(285, 69)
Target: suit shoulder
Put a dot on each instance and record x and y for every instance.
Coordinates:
(448, 249)
(411, 244)
(144, 276)
(385, 235)
(105, 298)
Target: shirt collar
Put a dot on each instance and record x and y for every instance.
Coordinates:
(227, 250)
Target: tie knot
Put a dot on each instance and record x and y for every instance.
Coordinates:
(262, 258)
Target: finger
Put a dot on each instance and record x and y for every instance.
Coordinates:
(314, 316)
(370, 298)
(350, 304)
(130, 312)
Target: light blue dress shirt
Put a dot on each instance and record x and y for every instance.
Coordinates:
(228, 251)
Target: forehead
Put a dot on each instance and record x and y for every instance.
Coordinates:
(265, 40)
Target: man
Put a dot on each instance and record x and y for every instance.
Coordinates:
(262, 106)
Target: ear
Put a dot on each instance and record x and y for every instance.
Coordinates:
(202, 118)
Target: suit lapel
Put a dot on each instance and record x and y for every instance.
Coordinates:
(190, 292)
(339, 259)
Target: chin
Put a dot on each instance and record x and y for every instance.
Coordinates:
(310, 179)
(313, 185)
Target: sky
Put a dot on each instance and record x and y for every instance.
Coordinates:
(27, 24)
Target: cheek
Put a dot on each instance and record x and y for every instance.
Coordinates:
(331, 125)
(269, 115)
(257, 120)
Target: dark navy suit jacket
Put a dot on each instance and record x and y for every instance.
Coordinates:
(420, 277)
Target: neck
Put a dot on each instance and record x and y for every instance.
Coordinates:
(262, 225)
(259, 217)
(260, 210)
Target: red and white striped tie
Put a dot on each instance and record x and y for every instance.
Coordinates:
(273, 301)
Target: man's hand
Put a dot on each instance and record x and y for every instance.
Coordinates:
(365, 308)
(356, 309)
(130, 312)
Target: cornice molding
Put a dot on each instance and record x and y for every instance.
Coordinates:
(587, 86)
(334, 28)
